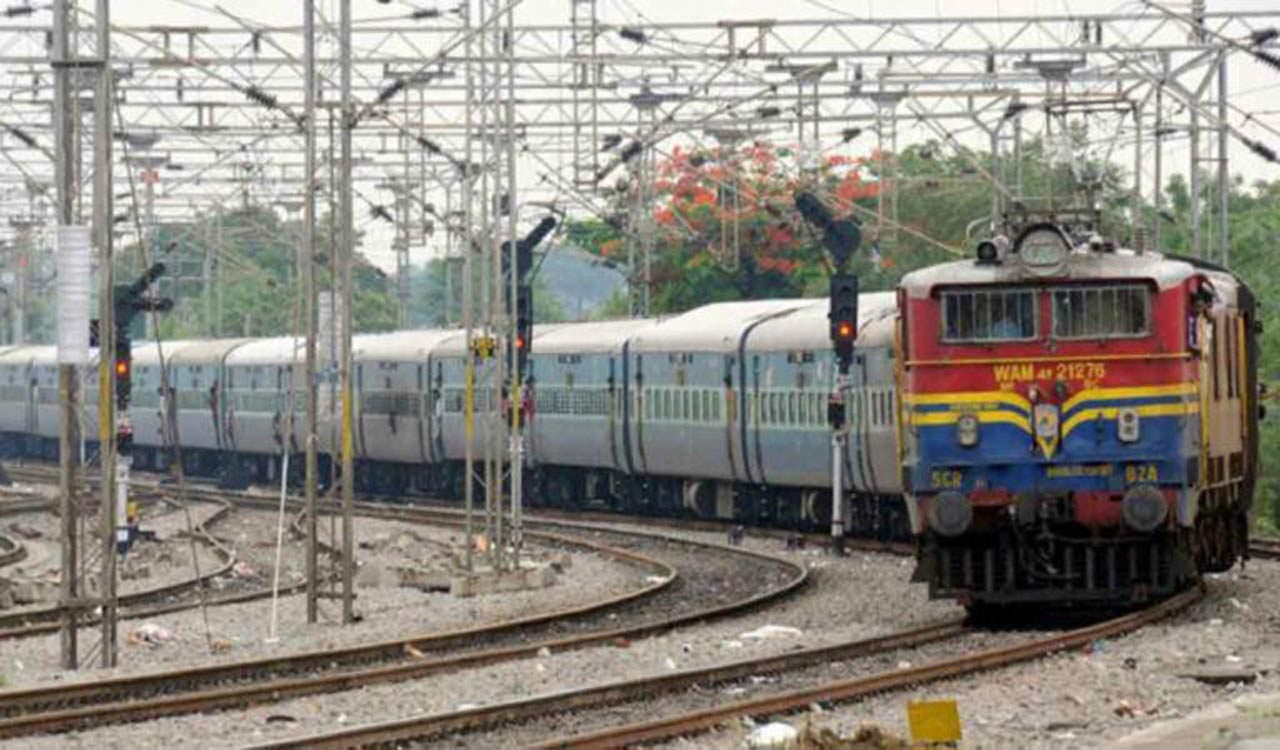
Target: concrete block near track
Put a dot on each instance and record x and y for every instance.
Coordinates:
(529, 577)
(33, 592)
(425, 579)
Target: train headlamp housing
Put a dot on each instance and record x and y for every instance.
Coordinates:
(1042, 249)
(967, 432)
(1128, 426)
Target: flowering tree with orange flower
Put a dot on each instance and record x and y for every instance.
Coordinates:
(725, 225)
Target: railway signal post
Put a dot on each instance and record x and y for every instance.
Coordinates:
(518, 256)
(840, 237)
(128, 300)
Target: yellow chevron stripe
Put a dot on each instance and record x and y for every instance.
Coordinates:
(1142, 391)
(935, 418)
(970, 397)
(1112, 412)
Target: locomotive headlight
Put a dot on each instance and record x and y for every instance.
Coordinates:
(950, 514)
(1144, 508)
(1128, 428)
(1042, 249)
(967, 430)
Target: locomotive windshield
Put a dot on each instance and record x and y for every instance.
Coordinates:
(1114, 311)
(983, 316)
(1096, 311)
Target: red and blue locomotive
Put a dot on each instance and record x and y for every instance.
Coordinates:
(1079, 421)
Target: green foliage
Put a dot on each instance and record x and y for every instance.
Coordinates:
(429, 295)
(251, 254)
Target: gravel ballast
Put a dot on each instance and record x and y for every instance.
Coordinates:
(860, 596)
(1091, 699)
(242, 631)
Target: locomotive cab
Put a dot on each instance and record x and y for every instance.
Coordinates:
(1077, 421)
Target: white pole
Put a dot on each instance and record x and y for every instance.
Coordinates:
(275, 578)
(837, 475)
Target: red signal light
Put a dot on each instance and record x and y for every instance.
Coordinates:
(519, 342)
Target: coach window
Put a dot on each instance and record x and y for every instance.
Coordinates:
(982, 316)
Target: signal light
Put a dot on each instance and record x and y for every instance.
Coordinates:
(844, 317)
(122, 368)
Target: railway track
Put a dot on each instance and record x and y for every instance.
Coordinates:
(202, 488)
(656, 608)
(150, 602)
(433, 728)
(1264, 549)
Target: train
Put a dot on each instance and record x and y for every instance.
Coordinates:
(1082, 420)
(1054, 420)
(720, 412)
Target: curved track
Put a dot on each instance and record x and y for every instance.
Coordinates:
(158, 600)
(431, 728)
(675, 600)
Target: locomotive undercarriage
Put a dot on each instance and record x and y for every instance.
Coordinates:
(1007, 568)
(1024, 564)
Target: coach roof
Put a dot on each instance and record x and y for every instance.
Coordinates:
(716, 327)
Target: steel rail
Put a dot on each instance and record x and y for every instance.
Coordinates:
(11, 550)
(93, 697)
(45, 619)
(852, 689)
(114, 700)
(433, 726)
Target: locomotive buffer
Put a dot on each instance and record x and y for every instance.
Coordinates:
(840, 237)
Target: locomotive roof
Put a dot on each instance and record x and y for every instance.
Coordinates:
(808, 326)
(590, 337)
(716, 327)
(1123, 264)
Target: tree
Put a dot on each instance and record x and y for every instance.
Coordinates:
(253, 289)
(429, 294)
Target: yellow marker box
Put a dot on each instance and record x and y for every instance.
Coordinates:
(934, 723)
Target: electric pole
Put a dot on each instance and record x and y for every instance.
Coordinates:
(306, 263)
(346, 249)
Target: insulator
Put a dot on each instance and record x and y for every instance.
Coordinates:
(632, 150)
(630, 33)
(1262, 36)
(22, 135)
(1262, 149)
(1267, 58)
(390, 90)
(256, 94)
